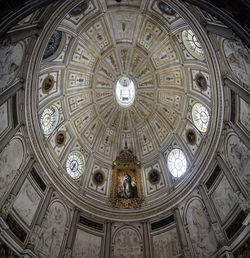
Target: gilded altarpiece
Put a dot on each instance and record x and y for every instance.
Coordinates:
(126, 188)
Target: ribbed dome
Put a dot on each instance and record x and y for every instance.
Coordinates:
(92, 51)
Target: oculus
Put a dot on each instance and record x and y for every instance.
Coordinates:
(200, 117)
(191, 136)
(125, 92)
(53, 44)
(177, 162)
(201, 82)
(98, 177)
(60, 138)
(75, 164)
(49, 119)
(79, 9)
(192, 44)
(48, 84)
(166, 8)
(154, 176)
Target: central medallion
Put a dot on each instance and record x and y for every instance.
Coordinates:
(125, 91)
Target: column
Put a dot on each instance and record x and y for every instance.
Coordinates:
(39, 219)
(44, 207)
(11, 197)
(70, 243)
(108, 240)
(220, 30)
(181, 232)
(237, 89)
(216, 227)
(146, 241)
(11, 91)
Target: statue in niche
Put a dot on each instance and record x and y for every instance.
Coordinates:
(201, 233)
(239, 157)
(126, 188)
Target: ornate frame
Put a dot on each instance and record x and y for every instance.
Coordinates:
(126, 164)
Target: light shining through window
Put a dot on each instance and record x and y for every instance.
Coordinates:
(177, 163)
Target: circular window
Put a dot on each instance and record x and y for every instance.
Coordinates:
(75, 164)
(200, 117)
(192, 44)
(177, 162)
(125, 92)
(49, 119)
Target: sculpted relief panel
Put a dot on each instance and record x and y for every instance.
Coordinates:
(238, 58)
(167, 245)
(8, 165)
(10, 60)
(239, 157)
(3, 117)
(127, 244)
(86, 245)
(27, 202)
(200, 230)
(245, 114)
(50, 236)
(224, 198)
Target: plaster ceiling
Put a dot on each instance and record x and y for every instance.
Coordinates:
(100, 45)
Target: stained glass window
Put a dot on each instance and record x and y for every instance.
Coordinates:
(75, 164)
(49, 119)
(177, 163)
(192, 44)
(200, 117)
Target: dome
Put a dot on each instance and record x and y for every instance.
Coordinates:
(125, 77)
(125, 131)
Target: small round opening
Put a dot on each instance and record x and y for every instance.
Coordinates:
(125, 92)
